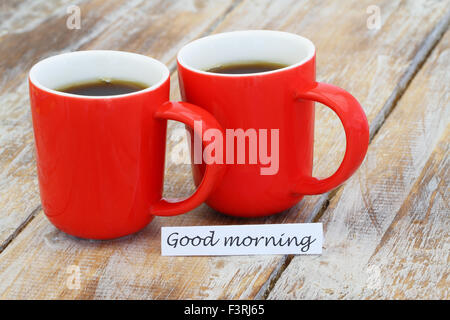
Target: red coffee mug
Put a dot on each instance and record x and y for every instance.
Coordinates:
(252, 105)
(100, 160)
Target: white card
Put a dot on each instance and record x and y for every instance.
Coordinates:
(263, 239)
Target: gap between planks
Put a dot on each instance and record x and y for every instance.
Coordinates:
(424, 51)
(19, 229)
(210, 30)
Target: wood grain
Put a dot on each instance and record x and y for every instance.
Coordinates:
(126, 268)
(368, 63)
(411, 260)
(387, 229)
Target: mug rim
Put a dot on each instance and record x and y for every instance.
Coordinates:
(32, 75)
(311, 53)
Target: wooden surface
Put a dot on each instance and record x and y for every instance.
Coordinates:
(391, 220)
(386, 229)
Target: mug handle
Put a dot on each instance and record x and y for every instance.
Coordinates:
(356, 129)
(188, 114)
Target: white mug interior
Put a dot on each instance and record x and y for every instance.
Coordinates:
(78, 67)
(246, 46)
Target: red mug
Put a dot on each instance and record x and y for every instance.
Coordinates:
(280, 101)
(100, 160)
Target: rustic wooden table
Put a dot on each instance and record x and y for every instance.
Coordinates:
(386, 229)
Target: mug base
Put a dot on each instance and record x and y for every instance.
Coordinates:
(98, 236)
(249, 212)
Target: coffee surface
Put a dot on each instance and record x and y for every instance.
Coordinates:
(104, 88)
(247, 67)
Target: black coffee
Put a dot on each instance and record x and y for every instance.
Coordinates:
(247, 67)
(104, 88)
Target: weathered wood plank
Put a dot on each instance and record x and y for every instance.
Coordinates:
(138, 26)
(127, 268)
(19, 16)
(133, 267)
(387, 229)
(412, 257)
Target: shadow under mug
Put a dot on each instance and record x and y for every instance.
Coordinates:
(280, 100)
(100, 160)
